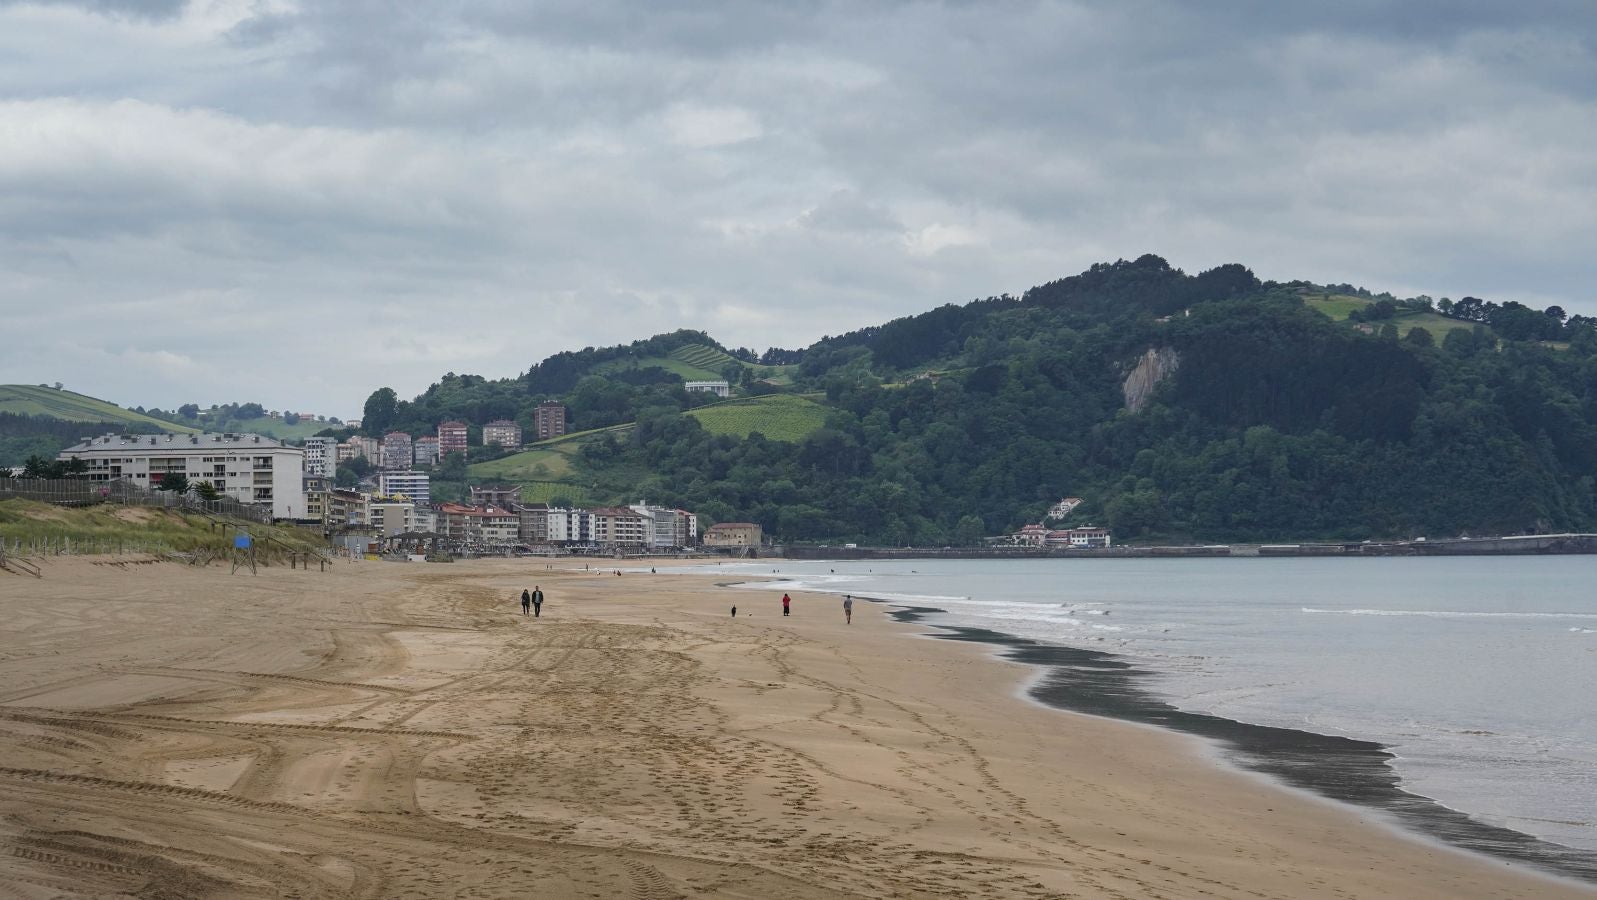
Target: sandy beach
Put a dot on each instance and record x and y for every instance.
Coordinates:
(401, 730)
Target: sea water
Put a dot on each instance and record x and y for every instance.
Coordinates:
(1479, 674)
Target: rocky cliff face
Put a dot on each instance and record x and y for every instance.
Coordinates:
(1155, 366)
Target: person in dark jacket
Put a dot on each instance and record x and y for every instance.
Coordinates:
(537, 602)
(526, 601)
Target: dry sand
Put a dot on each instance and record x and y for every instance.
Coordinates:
(392, 730)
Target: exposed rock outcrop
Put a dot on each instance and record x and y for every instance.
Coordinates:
(1155, 366)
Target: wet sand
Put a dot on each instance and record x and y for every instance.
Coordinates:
(400, 730)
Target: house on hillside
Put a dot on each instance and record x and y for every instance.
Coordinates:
(718, 388)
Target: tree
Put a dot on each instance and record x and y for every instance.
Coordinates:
(176, 482)
(37, 467)
(380, 410)
(290, 418)
(453, 467)
(1420, 337)
(189, 410)
(969, 531)
(345, 477)
(207, 491)
(251, 411)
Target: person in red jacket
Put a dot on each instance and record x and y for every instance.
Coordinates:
(786, 602)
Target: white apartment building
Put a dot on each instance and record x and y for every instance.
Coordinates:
(570, 526)
(321, 456)
(718, 388)
(249, 468)
(413, 486)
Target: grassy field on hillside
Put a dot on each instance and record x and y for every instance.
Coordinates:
(31, 400)
(541, 463)
(1338, 306)
(780, 417)
(277, 429)
(110, 528)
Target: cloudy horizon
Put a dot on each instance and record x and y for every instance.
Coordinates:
(262, 200)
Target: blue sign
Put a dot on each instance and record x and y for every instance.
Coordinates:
(241, 541)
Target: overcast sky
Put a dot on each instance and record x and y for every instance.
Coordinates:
(298, 203)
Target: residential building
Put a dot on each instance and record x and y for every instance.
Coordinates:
(733, 534)
(413, 486)
(316, 487)
(390, 517)
(396, 450)
(549, 420)
(668, 528)
(359, 445)
(346, 508)
(454, 520)
(249, 468)
(1089, 537)
(618, 526)
(1031, 535)
(718, 388)
(570, 526)
(495, 495)
(424, 450)
(451, 438)
(426, 520)
(534, 522)
(321, 456)
(503, 432)
(498, 525)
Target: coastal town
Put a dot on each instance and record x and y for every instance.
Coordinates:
(391, 510)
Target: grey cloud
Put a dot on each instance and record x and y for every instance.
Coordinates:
(471, 189)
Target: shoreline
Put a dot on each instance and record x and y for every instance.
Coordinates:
(1340, 769)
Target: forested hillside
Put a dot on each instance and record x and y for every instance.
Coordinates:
(1293, 411)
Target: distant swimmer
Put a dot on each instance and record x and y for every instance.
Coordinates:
(848, 609)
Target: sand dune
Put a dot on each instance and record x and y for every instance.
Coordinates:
(391, 730)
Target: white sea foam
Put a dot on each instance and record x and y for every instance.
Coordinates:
(1445, 614)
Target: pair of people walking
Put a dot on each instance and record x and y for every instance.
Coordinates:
(787, 608)
(532, 601)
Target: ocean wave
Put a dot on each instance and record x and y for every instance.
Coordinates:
(1446, 614)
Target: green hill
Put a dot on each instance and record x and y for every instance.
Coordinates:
(31, 400)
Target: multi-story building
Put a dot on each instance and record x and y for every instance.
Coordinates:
(503, 432)
(618, 526)
(346, 508)
(495, 495)
(534, 522)
(718, 388)
(451, 438)
(549, 420)
(570, 526)
(413, 486)
(316, 487)
(668, 528)
(321, 456)
(424, 450)
(390, 517)
(732, 534)
(396, 452)
(359, 445)
(249, 468)
(498, 525)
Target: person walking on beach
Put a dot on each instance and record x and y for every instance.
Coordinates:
(786, 602)
(848, 609)
(526, 601)
(734, 612)
(537, 602)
